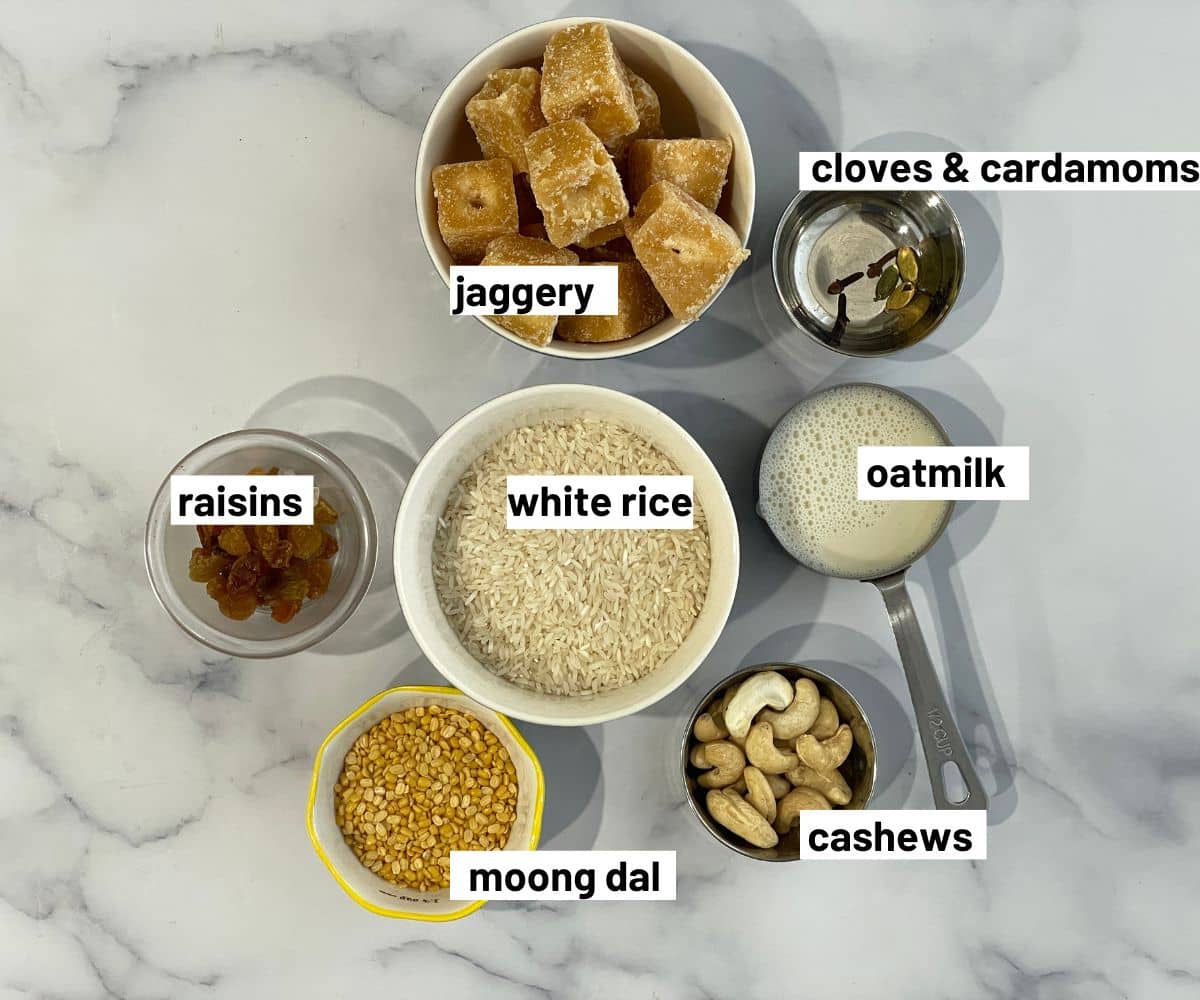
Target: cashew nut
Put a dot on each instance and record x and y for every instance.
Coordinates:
(825, 755)
(831, 784)
(827, 720)
(780, 786)
(759, 794)
(740, 817)
(791, 805)
(758, 740)
(799, 715)
(756, 692)
(708, 729)
(717, 710)
(725, 699)
(764, 754)
(727, 762)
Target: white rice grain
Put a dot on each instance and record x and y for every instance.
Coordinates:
(566, 612)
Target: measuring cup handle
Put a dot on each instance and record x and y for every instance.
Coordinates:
(940, 738)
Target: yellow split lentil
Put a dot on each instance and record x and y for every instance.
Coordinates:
(419, 784)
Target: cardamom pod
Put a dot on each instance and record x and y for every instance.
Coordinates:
(901, 297)
(887, 282)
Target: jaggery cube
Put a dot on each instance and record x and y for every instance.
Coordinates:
(476, 202)
(505, 112)
(583, 77)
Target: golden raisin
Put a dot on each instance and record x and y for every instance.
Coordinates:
(323, 513)
(306, 540)
(264, 536)
(245, 572)
(278, 555)
(289, 584)
(208, 534)
(239, 606)
(319, 574)
(234, 540)
(284, 611)
(247, 566)
(296, 589)
(206, 564)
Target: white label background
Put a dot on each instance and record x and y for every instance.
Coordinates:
(279, 486)
(601, 278)
(972, 163)
(1014, 458)
(613, 487)
(601, 862)
(973, 820)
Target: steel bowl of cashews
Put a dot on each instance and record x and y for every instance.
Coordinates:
(768, 743)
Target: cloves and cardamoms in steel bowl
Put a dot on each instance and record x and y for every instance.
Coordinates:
(905, 282)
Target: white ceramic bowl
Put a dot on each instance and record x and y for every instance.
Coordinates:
(360, 883)
(425, 499)
(693, 104)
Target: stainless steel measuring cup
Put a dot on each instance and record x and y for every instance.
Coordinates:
(951, 773)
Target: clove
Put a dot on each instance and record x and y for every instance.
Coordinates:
(876, 269)
(839, 286)
(839, 324)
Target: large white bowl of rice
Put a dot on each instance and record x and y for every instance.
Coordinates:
(562, 627)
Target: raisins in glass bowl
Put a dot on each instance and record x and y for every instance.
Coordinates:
(245, 567)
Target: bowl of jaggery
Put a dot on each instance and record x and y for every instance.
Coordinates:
(595, 142)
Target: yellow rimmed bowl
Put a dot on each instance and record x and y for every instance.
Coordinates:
(361, 884)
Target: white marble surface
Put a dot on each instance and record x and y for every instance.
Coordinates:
(239, 175)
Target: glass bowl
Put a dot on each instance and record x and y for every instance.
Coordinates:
(169, 547)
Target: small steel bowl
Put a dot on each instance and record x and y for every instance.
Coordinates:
(858, 770)
(825, 236)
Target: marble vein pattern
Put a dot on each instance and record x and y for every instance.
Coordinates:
(207, 221)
